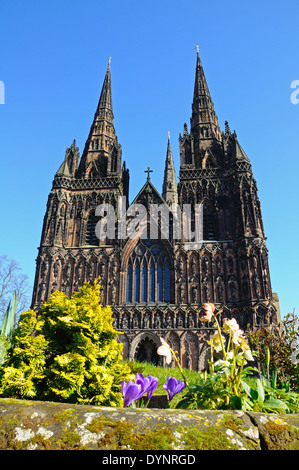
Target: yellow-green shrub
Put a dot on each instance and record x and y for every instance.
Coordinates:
(69, 353)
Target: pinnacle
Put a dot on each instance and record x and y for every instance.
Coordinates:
(105, 101)
(169, 190)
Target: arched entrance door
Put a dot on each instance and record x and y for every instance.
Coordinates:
(146, 351)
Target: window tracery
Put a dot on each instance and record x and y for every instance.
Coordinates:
(148, 273)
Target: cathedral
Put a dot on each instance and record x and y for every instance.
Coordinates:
(157, 280)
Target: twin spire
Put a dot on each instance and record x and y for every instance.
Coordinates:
(102, 138)
(102, 154)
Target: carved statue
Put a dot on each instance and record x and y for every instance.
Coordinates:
(193, 267)
(194, 294)
(113, 293)
(56, 269)
(45, 269)
(182, 293)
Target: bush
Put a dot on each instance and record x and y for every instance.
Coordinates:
(69, 353)
(276, 349)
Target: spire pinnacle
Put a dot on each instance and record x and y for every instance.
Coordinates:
(169, 190)
(105, 100)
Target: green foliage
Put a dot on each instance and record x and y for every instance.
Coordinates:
(7, 327)
(279, 344)
(230, 382)
(207, 393)
(23, 371)
(255, 395)
(68, 354)
(261, 396)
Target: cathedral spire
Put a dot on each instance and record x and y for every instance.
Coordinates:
(204, 122)
(102, 140)
(105, 101)
(169, 190)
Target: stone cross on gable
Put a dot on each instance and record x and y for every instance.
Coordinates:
(148, 171)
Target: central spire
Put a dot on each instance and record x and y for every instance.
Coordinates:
(204, 122)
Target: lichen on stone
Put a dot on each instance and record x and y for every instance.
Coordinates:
(36, 425)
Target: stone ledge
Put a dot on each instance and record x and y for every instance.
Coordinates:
(33, 425)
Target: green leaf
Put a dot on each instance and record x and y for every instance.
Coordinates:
(236, 402)
(260, 390)
(275, 403)
(183, 404)
(274, 379)
(6, 328)
(249, 370)
(250, 391)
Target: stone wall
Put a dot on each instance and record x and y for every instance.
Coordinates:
(32, 425)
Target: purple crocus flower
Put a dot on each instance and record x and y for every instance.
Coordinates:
(131, 392)
(134, 391)
(173, 386)
(153, 385)
(149, 384)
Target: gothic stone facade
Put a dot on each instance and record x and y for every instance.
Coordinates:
(156, 287)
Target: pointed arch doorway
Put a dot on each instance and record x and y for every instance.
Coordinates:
(144, 349)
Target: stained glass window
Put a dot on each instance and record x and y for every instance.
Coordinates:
(166, 282)
(152, 283)
(144, 284)
(137, 282)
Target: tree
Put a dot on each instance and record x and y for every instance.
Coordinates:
(13, 280)
(69, 353)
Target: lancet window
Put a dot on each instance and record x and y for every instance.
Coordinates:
(91, 238)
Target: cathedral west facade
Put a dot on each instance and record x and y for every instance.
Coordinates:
(157, 285)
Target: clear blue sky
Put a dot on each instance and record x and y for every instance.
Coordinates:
(53, 60)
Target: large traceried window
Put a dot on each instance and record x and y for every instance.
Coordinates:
(148, 273)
